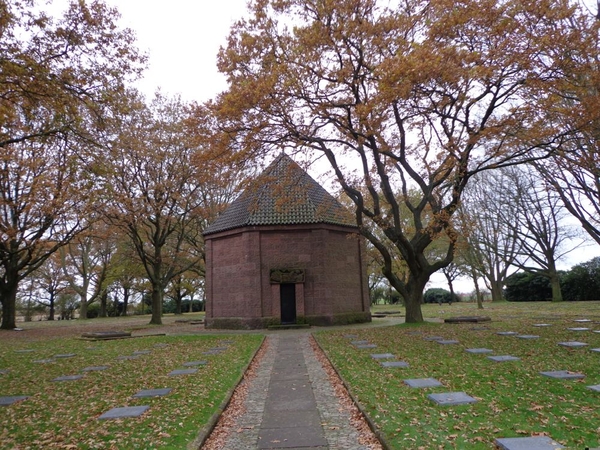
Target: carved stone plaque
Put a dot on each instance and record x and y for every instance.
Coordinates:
(280, 276)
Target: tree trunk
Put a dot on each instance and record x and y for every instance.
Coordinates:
(8, 298)
(413, 299)
(478, 296)
(51, 313)
(83, 306)
(496, 288)
(157, 302)
(125, 301)
(555, 285)
(103, 302)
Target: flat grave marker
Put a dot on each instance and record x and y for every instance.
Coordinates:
(595, 387)
(528, 336)
(582, 320)
(360, 342)
(26, 350)
(194, 363)
(400, 364)
(542, 325)
(478, 351)
(381, 355)
(447, 341)
(419, 383)
(7, 401)
(366, 346)
(68, 378)
(106, 335)
(152, 393)
(504, 358)
(66, 355)
(596, 349)
(161, 345)
(528, 443)
(128, 357)
(578, 329)
(141, 352)
(563, 375)
(573, 344)
(182, 372)
(433, 338)
(127, 411)
(507, 333)
(212, 352)
(44, 361)
(94, 368)
(451, 398)
(4, 371)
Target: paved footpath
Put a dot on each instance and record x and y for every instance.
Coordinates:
(291, 403)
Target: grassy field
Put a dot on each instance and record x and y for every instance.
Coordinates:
(65, 414)
(514, 400)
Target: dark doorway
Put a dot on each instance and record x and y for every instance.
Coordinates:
(288, 303)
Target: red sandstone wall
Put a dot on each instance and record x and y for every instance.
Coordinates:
(238, 267)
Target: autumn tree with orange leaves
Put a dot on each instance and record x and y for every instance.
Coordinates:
(60, 77)
(403, 95)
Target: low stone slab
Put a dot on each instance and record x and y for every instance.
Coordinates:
(507, 333)
(578, 329)
(451, 398)
(27, 350)
(44, 361)
(468, 319)
(127, 411)
(4, 371)
(7, 401)
(528, 336)
(479, 350)
(152, 393)
(107, 335)
(182, 372)
(563, 375)
(194, 363)
(504, 358)
(212, 352)
(542, 325)
(68, 378)
(595, 387)
(582, 320)
(66, 355)
(596, 349)
(367, 346)
(422, 382)
(447, 341)
(127, 357)
(433, 338)
(528, 443)
(94, 368)
(573, 344)
(141, 352)
(359, 342)
(227, 341)
(382, 355)
(161, 345)
(401, 364)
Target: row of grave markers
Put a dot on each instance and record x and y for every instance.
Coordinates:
(191, 367)
(461, 398)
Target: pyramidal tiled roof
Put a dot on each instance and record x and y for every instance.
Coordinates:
(283, 194)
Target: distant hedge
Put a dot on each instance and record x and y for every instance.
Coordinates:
(438, 295)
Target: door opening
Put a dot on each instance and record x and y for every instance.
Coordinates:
(288, 303)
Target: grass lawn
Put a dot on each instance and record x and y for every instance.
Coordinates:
(65, 414)
(514, 400)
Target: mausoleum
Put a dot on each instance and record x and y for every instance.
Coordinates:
(285, 252)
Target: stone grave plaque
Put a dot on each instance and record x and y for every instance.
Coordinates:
(351, 336)
(361, 342)
(152, 393)
(212, 352)
(27, 350)
(451, 398)
(365, 346)
(94, 368)
(161, 345)
(128, 357)
(528, 443)
(542, 325)
(573, 344)
(503, 358)
(479, 350)
(596, 349)
(382, 355)
(468, 319)
(127, 411)
(107, 335)
(401, 364)
(226, 341)
(68, 378)
(44, 361)
(563, 374)
(4, 371)
(65, 355)
(423, 382)
(447, 341)
(141, 352)
(507, 333)
(182, 372)
(7, 401)
(528, 336)
(582, 320)
(595, 387)
(194, 363)
(433, 338)
(578, 329)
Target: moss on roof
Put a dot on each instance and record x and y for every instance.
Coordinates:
(283, 194)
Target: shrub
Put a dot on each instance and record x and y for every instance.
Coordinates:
(582, 282)
(438, 295)
(527, 287)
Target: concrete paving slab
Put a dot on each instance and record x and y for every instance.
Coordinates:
(563, 375)
(182, 372)
(503, 358)
(528, 443)
(7, 401)
(594, 388)
(479, 350)
(400, 364)
(382, 355)
(94, 368)
(573, 344)
(422, 382)
(68, 378)
(451, 398)
(127, 411)
(152, 393)
(298, 437)
(291, 419)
